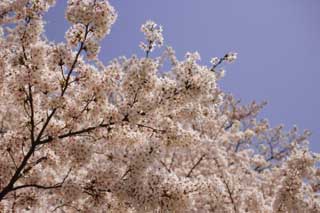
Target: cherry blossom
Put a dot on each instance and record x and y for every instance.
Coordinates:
(77, 135)
(153, 34)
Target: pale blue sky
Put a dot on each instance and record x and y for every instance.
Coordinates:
(278, 44)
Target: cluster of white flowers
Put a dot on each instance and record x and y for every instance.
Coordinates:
(79, 136)
(231, 57)
(92, 20)
(153, 35)
(99, 13)
(75, 34)
(214, 60)
(15, 11)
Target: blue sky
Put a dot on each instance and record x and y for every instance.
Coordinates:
(278, 44)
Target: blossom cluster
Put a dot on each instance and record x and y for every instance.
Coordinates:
(153, 35)
(80, 136)
(92, 20)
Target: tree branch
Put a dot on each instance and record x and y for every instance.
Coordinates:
(195, 165)
(153, 129)
(57, 185)
(66, 83)
(165, 166)
(32, 123)
(75, 133)
(273, 156)
(230, 195)
(217, 64)
(35, 142)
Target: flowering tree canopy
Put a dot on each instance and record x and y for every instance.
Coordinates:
(80, 136)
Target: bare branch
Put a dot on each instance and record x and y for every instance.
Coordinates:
(274, 156)
(32, 123)
(153, 129)
(172, 160)
(27, 169)
(76, 133)
(217, 64)
(195, 165)
(125, 174)
(230, 194)
(57, 185)
(165, 166)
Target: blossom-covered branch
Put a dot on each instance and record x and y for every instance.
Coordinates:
(137, 139)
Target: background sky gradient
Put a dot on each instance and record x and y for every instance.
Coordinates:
(278, 44)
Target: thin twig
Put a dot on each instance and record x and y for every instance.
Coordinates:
(57, 185)
(195, 165)
(125, 174)
(165, 166)
(172, 160)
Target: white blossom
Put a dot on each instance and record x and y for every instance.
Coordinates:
(231, 57)
(214, 60)
(153, 35)
(80, 136)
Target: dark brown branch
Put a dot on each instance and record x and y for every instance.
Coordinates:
(57, 185)
(229, 126)
(76, 133)
(238, 146)
(135, 98)
(217, 64)
(62, 72)
(94, 192)
(195, 165)
(125, 174)
(32, 123)
(66, 82)
(153, 129)
(272, 157)
(165, 166)
(25, 108)
(10, 186)
(150, 43)
(88, 102)
(230, 195)
(26, 170)
(277, 154)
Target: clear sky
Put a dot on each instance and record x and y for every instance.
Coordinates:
(278, 44)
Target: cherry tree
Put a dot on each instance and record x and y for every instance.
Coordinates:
(80, 136)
